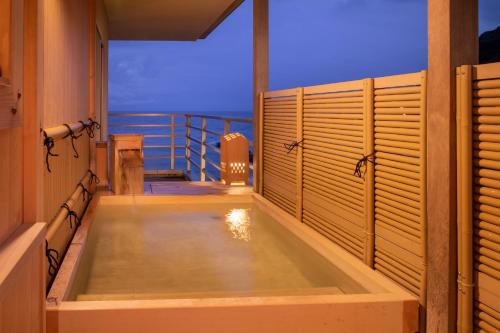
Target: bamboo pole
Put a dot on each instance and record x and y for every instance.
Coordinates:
(368, 92)
(61, 216)
(58, 132)
(423, 190)
(465, 211)
(299, 161)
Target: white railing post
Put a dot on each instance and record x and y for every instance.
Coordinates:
(203, 170)
(188, 145)
(172, 141)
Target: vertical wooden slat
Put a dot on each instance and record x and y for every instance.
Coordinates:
(465, 191)
(172, 141)
(227, 126)
(259, 179)
(300, 109)
(368, 91)
(423, 193)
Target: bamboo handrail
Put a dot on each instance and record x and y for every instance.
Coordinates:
(62, 214)
(61, 131)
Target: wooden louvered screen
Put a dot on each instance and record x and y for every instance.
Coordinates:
(400, 179)
(379, 217)
(279, 166)
(478, 140)
(335, 138)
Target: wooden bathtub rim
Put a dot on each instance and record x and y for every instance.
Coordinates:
(373, 281)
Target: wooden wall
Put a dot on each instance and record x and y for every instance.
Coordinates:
(65, 95)
(65, 88)
(22, 283)
(11, 135)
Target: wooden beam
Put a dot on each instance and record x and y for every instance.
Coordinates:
(260, 71)
(32, 140)
(452, 41)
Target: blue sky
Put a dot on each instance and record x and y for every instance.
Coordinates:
(311, 42)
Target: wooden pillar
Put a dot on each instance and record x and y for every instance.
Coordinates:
(453, 41)
(33, 162)
(92, 75)
(260, 72)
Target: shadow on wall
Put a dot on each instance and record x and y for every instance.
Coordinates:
(489, 46)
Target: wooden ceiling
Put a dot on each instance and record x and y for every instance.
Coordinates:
(181, 20)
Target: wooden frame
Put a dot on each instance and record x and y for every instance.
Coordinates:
(245, 312)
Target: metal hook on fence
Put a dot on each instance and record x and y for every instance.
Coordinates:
(53, 259)
(72, 215)
(73, 138)
(48, 142)
(362, 162)
(85, 192)
(93, 177)
(291, 146)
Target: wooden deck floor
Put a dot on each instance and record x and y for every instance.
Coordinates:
(192, 188)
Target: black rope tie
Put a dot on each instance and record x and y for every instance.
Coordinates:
(49, 143)
(73, 138)
(94, 178)
(87, 195)
(92, 127)
(72, 215)
(362, 162)
(291, 146)
(53, 259)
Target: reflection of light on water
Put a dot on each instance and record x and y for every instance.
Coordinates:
(238, 222)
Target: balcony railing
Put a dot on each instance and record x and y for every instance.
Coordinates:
(178, 143)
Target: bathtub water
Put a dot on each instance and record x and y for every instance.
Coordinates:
(177, 250)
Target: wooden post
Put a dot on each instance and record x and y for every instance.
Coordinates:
(32, 116)
(172, 141)
(203, 149)
(188, 145)
(452, 41)
(260, 72)
(300, 151)
(260, 148)
(369, 178)
(227, 126)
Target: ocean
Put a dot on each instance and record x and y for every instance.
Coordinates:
(158, 157)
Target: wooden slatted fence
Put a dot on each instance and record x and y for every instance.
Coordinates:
(379, 215)
(478, 164)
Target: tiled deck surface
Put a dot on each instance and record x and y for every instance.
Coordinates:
(192, 188)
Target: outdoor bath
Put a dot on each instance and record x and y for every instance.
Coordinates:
(215, 263)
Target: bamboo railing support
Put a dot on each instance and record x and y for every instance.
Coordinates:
(300, 151)
(368, 92)
(465, 199)
(61, 131)
(260, 161)
(203, 152)
(423, 188)
(61, 216)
